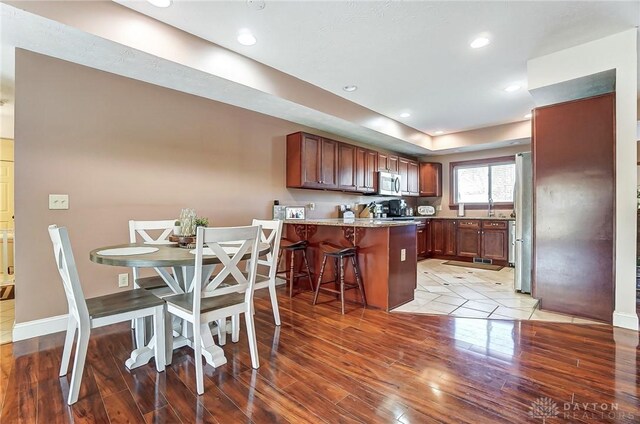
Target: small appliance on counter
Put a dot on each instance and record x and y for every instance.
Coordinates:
(426, 210)
(345, 211)
(397, 207)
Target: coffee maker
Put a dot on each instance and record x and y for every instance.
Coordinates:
(397, 207)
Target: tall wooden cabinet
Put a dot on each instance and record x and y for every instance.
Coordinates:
(574, 187)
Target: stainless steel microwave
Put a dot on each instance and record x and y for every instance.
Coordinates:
(389, 184)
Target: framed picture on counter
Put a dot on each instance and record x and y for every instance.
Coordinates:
(294, 212)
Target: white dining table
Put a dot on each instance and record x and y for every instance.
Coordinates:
(182, 263)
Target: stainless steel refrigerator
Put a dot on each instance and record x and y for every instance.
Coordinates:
(523, 205)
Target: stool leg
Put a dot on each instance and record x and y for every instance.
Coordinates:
(356, 271)
(315, 296)
(342, 285)
(336, 275)
(291, 273)
(278, 263)
(306, 263)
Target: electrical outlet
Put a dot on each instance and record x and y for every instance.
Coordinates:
(58, 201)
(403, 255)
(311, 206)
(123, 280)
(439, 207)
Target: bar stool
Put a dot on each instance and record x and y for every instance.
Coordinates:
(292, 248)
(340, 254)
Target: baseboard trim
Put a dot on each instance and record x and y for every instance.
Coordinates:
(39, 327)
(624, 320)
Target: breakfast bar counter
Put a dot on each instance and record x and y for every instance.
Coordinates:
(386, 255)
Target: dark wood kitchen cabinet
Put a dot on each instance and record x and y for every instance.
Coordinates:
(573, 146)
(409, 179)
(366, 168)
(495, 240)
(483, 239)
(430, 179)
(421, 240)
(347, 168)
(443, 237)
(469, 239)
(311, 161)
(388, 162)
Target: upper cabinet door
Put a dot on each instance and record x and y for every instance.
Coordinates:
(370, 176)
(311, 160)
(347, 167)
(431, 179)
(382, 162)
(303, 160)
(412, 179)
(403, 170)
(328, 163)
(392, 164)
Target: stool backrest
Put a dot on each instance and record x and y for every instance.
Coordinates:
(271, 233)
(66, 265)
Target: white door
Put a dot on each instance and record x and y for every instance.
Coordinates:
(6, 194)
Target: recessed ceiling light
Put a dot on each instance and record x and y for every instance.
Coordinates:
(160, 3)
(480, 42)
(405, 115)
(439, 132)
(511, 88)
(246, 38)
(528, 116)
(350, 88)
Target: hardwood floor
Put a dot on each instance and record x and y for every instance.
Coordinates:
(367, 366)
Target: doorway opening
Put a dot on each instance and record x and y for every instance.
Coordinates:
(7, 236)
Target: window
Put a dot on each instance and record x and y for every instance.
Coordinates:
(477, 182)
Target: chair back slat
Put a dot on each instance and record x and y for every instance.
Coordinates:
(271, 233)
(230, 245)
(66, 265)
(140, 228)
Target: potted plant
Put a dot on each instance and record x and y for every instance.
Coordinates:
(200, 222)
(177, 228)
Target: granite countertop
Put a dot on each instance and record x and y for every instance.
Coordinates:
(490, 218)
(358, 222)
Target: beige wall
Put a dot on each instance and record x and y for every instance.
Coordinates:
(446, 159)
(123, 149)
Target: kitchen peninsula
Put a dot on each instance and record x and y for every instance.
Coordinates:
(386, 255)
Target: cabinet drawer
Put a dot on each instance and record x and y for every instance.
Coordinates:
(495, 224)
(465, 223)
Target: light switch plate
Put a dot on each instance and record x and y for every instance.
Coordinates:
(123, 280)
(58, 201)
(403, 255)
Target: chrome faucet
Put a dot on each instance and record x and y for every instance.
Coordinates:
(490, 208)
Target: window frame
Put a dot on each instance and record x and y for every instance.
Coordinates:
(453, 183)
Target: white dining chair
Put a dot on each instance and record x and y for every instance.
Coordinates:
(203, 303)
(86, 314)
(271, 233)
(139, 231)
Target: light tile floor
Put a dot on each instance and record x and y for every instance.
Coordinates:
(475, 293)
(7, 315)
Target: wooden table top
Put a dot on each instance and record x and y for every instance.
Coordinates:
(165, 256)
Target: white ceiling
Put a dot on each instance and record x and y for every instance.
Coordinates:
(407, 56)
